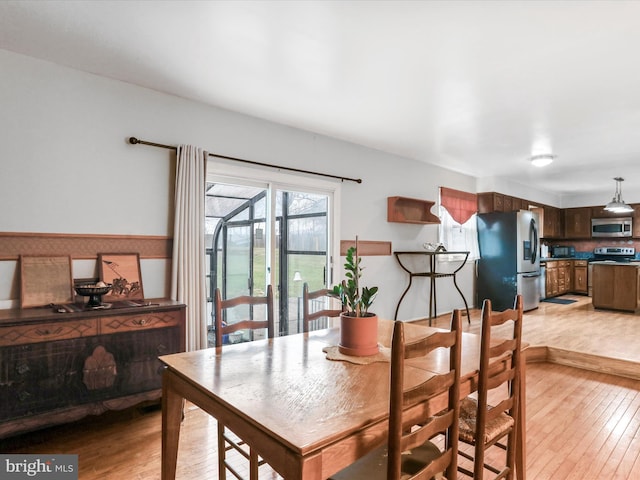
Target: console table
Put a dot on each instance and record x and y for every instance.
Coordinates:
(58, 367)
(433, 274)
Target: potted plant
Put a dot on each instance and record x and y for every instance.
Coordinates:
(358, 326)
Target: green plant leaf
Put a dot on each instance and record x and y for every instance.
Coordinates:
(356, 302)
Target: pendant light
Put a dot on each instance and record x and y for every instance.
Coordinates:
(617, 205)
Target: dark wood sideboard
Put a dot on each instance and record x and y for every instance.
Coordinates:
(59, 367)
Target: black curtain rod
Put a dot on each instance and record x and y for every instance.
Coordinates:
(135, 141)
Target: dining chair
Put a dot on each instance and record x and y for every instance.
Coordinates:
(227, 440)
(318, 296)
(490, 420)
(413, 421)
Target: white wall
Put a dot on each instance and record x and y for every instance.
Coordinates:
(519, 190)
(599, 198)
(67, 168)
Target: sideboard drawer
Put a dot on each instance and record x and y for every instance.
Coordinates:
(46, 332)
(141, 321)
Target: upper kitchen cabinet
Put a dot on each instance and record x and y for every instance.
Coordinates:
(577, 222)
(517, 204)
(490, 202)
(507, 203)
(552, 223)
(636, 220)
(524, 204)
(498, 202)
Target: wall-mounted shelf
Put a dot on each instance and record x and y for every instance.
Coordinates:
(410, 210)
(366, 247)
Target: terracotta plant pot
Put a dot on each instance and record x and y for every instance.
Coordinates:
(358, 335)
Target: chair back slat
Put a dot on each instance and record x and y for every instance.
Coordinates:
(418, 437)
(503, 348)
(221, 305)
(505, 375)
(422, 347)
(503, 406)
(429, 388)
(244, 325)
(309, 297)
(437, 466)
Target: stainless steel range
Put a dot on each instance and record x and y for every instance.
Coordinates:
(614, 254)
(608, 254)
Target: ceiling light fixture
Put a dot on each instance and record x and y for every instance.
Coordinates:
(542, 160)
(617, 205)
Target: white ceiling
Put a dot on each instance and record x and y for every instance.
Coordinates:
(474, 86)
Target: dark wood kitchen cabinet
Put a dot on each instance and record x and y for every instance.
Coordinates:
(552, 223)
(616, 287)
(490, 202)
(551, 286)
(507, 204)
(60, 367)
(579, 277)
(564, 276)
(636, 220)
(556, 223)
(577, 223)
(559, 277)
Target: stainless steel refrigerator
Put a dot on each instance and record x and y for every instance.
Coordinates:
(509, 259)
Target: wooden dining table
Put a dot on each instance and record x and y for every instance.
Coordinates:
(306, 415)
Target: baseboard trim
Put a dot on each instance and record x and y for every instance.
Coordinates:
(584, 361)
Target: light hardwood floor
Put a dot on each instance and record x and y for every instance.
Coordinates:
(576, 335)
(581, 424)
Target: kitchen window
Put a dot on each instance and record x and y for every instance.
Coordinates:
(458, 228)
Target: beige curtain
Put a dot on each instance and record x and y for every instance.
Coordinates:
(188, 282)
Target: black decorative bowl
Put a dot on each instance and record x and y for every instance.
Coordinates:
(93, 292)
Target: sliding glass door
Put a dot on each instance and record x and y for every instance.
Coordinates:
(302, 251)
(260, 234)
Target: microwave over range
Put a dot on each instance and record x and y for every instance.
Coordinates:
(611, 227)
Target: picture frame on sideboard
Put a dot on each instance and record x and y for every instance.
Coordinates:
(122, 271)
(45, 280)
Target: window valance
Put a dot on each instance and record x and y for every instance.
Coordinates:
(460, 205)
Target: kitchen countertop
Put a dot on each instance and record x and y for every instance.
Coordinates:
(631, 263)
(554, 259)
(634, 262)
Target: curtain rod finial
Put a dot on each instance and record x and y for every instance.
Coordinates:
(133, 140)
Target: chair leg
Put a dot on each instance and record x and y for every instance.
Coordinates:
(511, 455)
(222, 469)
(253, 464)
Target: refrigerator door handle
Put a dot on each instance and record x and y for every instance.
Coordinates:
(530, 275)
(533, 238)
